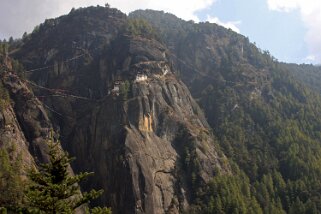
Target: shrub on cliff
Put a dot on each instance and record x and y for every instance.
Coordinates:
(54, 190)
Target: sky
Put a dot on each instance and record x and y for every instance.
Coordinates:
(289, 29)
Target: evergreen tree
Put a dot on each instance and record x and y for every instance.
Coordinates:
(54, 190)
(11, 184)
(4, 97)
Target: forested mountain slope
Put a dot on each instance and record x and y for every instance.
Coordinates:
(121, 111)
(264, 113)
(309, 75)
(174, 116)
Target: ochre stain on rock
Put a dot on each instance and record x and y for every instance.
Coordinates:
(146, 124)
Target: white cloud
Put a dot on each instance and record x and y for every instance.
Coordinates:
(310, 58)
(233, 25)
(282, 5)
(18, 16)
(310, 11)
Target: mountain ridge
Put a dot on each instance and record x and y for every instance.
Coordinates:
(127, 94)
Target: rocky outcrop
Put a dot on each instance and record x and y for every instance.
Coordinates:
(115, 89)
(13, 140)
(133, 140)
(125, 115)
(29, 119)
(25, 126)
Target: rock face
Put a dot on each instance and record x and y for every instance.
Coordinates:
(114, 88)
(123, 114)
(13, 137)
(30, 116)
(24, 124)
(135, 138)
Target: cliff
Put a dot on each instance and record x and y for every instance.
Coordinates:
(172, 116)
(123, 113)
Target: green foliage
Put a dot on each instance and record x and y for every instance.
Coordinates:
(308, 74)
(124, 89)
(17, 67)
(36, 29)
(231, 194)
(168, 26)
(139, 27)
(4, 97)
(3, 210)
(266, 121)
(54, 190)
(190, 163)
(4, 48)
(11, 184)
(275, 142)
(99, 210)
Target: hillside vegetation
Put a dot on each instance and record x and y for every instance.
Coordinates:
(249, 143)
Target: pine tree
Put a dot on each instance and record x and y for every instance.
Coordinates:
(11, 184)
(54, 190)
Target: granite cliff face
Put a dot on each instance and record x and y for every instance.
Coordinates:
(13, 137)
(25, 127)
(24, 123)
(137, 136)
(119, 93)
(254, 104)
(30, 114)
(122, 112)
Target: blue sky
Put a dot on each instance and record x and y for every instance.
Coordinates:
(289, 29)
(280, 33)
